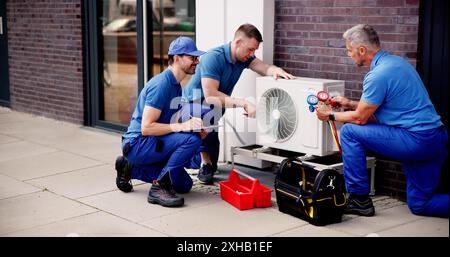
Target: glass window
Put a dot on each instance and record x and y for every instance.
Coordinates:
(118, 44)
(118, 49)
(170, 19)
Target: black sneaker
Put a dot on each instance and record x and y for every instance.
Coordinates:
(123, 179)
(359, 205)
(206, 174)
(164, 196)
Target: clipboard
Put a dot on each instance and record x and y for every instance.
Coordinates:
(204, 128)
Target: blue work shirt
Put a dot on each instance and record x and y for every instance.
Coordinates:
(162, 92)
(215, 64)
(395, 86)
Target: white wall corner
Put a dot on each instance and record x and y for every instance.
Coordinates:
(216, 23)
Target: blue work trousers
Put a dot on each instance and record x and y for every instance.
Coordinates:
(211, 143)
(422, 154)
(154, 156)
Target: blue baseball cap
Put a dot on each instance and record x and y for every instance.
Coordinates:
(184, 45)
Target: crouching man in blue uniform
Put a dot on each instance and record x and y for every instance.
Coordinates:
(155, 148)
(407, 128)
(209, 91)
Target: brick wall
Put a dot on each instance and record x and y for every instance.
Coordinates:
(389, 178)
(308, 43)
(45, 58)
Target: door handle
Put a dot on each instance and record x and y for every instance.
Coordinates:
(1, 25)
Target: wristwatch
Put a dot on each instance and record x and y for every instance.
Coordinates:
(331, 116)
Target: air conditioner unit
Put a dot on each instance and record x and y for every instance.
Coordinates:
(283, 117)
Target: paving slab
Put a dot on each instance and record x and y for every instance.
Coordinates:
(309, 230)
(108, 156)
(98, 224)
(80, 183)
(36, 166)
(4, 110)
(27, 211)
(49, 133)
(424, 227)
(10, 187)
(87, 145)
(134, 206)
(9, 117)
(222, 219)
(382, 220)
(17, 123)
(20, 149)
(4, 139)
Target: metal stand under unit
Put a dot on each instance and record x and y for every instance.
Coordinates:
(319, 162)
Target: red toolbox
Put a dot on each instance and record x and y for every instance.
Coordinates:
(246, 193)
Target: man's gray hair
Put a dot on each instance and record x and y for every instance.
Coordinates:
(362, 34)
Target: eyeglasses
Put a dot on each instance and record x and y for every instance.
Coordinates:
(192, 58)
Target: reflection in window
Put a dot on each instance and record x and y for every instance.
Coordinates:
(119, 92)
(117, 49)
(170, 19)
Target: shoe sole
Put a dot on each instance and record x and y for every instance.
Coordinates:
(206, 181)
(157, 201)
(367, 213)
(123, 190)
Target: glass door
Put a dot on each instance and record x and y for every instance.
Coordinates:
(126, 44)
(114, 61)
(170, 19)
(119, 50)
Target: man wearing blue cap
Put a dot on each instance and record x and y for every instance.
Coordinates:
(156, 147)
(209, 91)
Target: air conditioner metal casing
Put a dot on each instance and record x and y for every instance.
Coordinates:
(311, 136)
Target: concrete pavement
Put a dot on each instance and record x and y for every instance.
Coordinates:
(58, 179)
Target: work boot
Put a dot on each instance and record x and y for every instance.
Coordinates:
(206, 174)
(359, 205)
(164, 195)
(123, 179)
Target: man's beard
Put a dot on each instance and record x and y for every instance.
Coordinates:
(190, 70)
(243, 59)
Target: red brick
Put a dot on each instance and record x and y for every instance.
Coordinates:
(390, 3)
(45, 39)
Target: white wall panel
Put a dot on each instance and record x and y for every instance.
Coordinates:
(216, 22)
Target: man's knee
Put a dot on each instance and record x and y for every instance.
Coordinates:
(417, 206)
(347, 130)
(195, 140)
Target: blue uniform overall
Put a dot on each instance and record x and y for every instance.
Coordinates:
(154, 156)
(408, 129)
(215, 64)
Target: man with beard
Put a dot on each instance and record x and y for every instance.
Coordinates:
(156, 147)
(209, 91)
(406, 128)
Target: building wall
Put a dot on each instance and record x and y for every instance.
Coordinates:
(224, 17)
(308, 35)
(308, 43)
(46, 58)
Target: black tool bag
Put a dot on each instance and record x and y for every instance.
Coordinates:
(304, 192)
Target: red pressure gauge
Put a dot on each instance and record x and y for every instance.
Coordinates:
(323, 96)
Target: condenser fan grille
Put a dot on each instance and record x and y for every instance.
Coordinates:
(277, 115)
